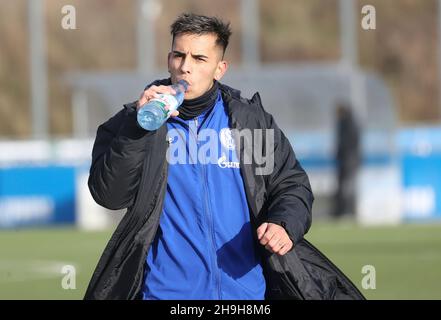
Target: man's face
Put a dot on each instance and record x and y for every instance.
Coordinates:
(197, 59)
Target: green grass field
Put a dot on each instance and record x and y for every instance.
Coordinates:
(407, 259)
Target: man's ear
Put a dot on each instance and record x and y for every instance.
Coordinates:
(221, 69)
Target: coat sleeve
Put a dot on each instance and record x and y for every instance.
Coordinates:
(289, 193)
(117, 159)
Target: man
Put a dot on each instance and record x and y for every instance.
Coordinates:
(198, 230)
(347, 161)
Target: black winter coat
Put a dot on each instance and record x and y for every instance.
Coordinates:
(129, 170)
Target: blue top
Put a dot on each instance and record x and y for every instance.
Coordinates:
(204, 247)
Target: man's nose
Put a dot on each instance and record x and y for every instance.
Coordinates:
(186, 65)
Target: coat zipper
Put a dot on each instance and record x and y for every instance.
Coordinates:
(210, 219)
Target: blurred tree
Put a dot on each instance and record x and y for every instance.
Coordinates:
(299, 30)
(403, 49)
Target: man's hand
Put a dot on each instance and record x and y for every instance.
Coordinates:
(274, 238)
(154, 92)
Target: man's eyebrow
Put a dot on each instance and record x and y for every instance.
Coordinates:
(193, 55)
(199, 56)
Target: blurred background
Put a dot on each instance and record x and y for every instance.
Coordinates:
(68, 65)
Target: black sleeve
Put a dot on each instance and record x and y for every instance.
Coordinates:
(288, 189)
(117, 159)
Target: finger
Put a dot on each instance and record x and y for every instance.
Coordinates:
(147, 95)
(139, 104)
(154, 92)
(278, 246)
(274, 227)
(142, 99)
(288, 246)
(261, 230)
(282, 251)
(285, 248)
(279, 231)
(268, 235)
(163, 89)
(273, 249)
(174, 113)
(274, 242)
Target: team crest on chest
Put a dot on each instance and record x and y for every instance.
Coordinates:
(226, 138)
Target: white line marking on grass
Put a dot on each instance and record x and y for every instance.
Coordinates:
(23, 270)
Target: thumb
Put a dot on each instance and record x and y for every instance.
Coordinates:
(261, 230)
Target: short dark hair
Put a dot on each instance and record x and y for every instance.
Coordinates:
(190, 23)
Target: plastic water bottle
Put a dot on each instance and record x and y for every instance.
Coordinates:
(153, 114)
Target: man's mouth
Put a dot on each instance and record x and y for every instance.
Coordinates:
(189, 83)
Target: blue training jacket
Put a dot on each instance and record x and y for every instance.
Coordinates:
(204, 247)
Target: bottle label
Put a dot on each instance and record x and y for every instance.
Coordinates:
(166, 100)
